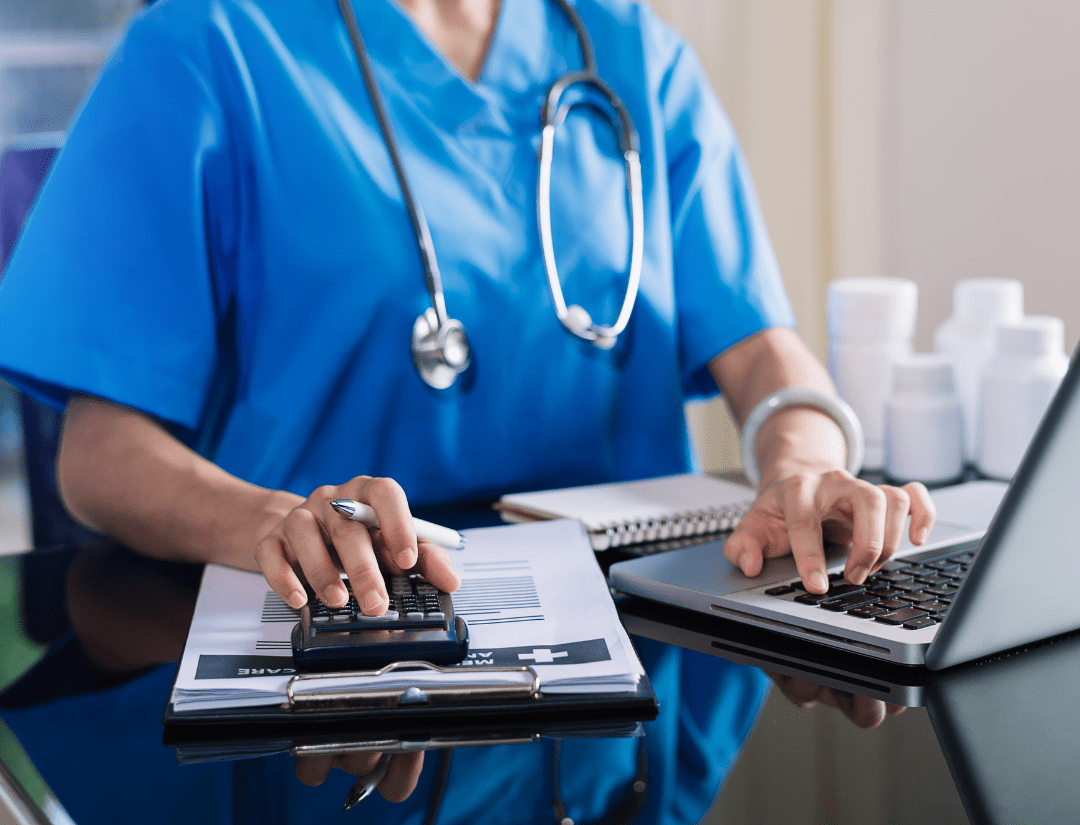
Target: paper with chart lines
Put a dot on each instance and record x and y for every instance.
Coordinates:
(531, 594)
(534, 594)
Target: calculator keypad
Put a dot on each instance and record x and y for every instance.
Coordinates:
(413, 604)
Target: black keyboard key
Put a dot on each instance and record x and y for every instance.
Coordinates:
(836, 577)
(782, 590)
(797, 584)
(918, 569)
(904, 614)
(813, 598)
(918, 624)
(937, 578)
(844, 603)
(942, 589)
(885, 592)
(943, 564)
(868, 612)
(910, 587)
(895, 576)
(893, 565)
(916, 597)
(894, 604)
(935, 606)
(844, 589)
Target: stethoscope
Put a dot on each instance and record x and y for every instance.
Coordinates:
(440, 347)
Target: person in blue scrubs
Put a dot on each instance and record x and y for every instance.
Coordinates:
(219, 281)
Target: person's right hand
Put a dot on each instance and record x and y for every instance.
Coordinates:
(316, 542)
(399, 781)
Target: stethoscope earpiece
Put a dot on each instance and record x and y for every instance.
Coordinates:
(578, 320)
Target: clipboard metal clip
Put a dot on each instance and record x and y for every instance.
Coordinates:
(354, 693)
(412, 745)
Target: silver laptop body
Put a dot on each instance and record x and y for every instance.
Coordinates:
(1020, 588)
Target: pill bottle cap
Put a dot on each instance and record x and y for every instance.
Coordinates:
(981, 302)
(923, 374)
(1034, 336)
(871, 309)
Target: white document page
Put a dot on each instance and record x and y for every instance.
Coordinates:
(532, 594)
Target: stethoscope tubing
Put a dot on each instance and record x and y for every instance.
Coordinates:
(416, 215)
(430, 351)
(552, 115)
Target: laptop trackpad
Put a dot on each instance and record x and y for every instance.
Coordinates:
(703, 568)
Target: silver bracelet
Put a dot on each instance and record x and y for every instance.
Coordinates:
(832, 405)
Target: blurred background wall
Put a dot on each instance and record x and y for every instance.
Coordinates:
(907, 138)
(925, 139)
(50, 53)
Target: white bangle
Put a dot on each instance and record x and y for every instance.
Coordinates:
(832, 405)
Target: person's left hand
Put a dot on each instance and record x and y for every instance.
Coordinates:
(799, 513)
(862, 710)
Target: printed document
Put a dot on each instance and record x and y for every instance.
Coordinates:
(532, 594)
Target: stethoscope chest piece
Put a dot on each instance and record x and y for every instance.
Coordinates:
(440, 351)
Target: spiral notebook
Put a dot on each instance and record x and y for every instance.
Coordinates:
(625, 513)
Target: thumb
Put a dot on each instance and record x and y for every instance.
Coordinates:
(744, 549)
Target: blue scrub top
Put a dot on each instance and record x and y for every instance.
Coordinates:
(222, 244)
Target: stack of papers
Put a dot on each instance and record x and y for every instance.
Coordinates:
(532, 594)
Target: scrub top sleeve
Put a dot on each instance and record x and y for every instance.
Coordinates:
(727, 279)
(110, 290)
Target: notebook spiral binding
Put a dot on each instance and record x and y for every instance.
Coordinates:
(677, 525)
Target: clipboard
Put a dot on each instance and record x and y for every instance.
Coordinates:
(419, 702)
(199, 744)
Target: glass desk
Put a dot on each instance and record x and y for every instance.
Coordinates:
(991, 742)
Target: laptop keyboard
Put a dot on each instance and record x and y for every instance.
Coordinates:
(911, 594)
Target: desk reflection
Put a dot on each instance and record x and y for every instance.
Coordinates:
(89, 716)
(1008, 726)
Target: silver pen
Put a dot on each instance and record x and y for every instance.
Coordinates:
(425, 530)
(366, 783)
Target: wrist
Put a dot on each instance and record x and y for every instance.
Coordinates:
(265, 511)
(786, 437)
(799, 440)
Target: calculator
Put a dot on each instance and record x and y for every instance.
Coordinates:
(419, 625)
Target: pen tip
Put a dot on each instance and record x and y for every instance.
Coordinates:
(343, 506)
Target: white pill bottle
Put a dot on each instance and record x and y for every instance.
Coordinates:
(924, 427)
(1016, 386)
(871, 322)
(980, 306)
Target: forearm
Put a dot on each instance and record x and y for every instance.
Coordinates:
(122, 474)
(795, 439)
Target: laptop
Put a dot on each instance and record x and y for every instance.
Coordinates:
(980, 585)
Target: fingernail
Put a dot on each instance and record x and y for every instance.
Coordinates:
(406, 559)
(336, 596)
(296, 599)
(818, 582)
(923, 533)
(740, 562)
(858, 573)
(371, 601)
